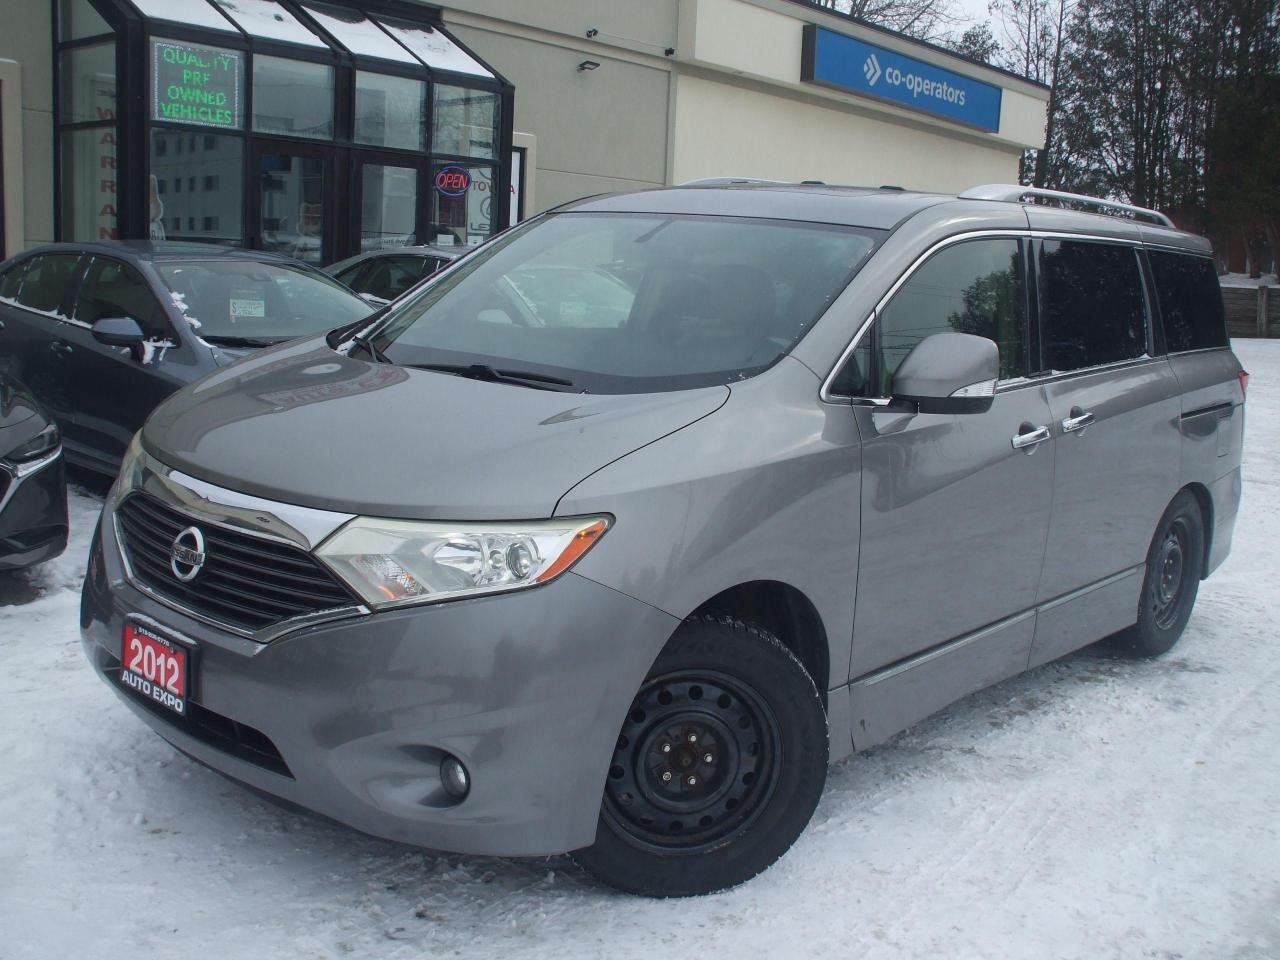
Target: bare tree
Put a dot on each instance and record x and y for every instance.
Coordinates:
(931, 20)
(1032, 35)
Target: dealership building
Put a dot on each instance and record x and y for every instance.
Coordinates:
(323, 127)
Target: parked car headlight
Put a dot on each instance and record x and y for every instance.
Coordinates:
(33, 454)
(395, 562)
(127, 479)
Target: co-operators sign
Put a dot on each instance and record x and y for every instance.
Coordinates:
(846, 63)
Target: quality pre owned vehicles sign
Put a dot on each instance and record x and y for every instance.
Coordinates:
(845, 63)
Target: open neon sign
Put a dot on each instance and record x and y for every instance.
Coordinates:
(453, 181)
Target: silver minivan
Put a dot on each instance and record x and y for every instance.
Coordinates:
(612, 535)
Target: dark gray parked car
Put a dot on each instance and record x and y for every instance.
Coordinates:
(382, 275)
(102, 332)
(33, 487)
(623, 582)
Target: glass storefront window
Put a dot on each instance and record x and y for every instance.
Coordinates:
(268, 20)
(88, 84)
(461, 205)
(465, 122)
(77, 20)
(435, 49)
(388, 206)
(292, 98)
(196, 187)
(88, 184)
(389, 111)
(293, 207)
(359, 34)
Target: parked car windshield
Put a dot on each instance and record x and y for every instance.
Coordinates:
(238, 300)
(628, 303)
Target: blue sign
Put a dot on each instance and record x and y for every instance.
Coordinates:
(846, 63)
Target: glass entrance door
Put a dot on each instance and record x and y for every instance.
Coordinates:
(295, 208)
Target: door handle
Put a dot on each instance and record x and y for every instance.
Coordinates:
(60, 348)
(1029, 436)
(1078, 420)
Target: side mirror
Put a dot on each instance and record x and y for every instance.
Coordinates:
(118, 332)
(949, 373)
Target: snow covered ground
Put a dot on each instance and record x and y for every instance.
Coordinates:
(1094, 808)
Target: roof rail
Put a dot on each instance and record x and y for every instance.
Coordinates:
(729, 181)
(1013, 193)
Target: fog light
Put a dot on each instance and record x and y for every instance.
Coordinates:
(453, 775)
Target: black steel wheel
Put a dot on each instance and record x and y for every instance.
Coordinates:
(696, 761)
(1175, 564)
(719, 764)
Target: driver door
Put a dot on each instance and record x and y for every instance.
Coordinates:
(955, 517)
(116, 388)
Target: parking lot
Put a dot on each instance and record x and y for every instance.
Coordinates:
(1095, 807)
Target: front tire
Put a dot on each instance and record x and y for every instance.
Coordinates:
(1175, 563)
(719, 765)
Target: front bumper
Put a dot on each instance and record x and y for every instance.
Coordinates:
(350, 718)
(33, 516)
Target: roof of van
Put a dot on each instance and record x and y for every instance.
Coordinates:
(877, 208)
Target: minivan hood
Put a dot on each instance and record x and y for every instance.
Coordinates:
(303, 424)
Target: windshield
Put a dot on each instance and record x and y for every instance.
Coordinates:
(247, 301)
(613, 303)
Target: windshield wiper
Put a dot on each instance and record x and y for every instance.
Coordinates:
(370, 348)
(218, 341)
(482, 371)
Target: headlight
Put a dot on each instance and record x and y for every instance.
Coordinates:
(395, 562)
(36, 452)
(127, 479)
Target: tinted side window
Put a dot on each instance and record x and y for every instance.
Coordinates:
(972, 287)
(392, 276)
(1190, 301)
(113, 289)
(350, 276)
(1092, 309)
(11, 281)
(45, 285)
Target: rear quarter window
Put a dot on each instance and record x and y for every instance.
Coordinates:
(1190, 301)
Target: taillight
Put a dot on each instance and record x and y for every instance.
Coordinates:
(1244, 383)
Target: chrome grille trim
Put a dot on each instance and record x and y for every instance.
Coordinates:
(279, 527)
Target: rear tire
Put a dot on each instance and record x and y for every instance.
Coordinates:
(1175, 563)
(719, 765)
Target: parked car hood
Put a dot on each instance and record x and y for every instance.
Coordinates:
(303, 424)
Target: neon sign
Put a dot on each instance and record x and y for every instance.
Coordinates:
(453, 181)
(196, 84)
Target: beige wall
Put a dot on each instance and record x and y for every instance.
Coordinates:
(26, 38)
(597, 131)
(725, 129)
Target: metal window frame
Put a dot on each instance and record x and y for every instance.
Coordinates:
(133, 125)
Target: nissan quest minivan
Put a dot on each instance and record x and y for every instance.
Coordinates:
(614, 534)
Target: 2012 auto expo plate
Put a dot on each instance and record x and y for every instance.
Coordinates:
(155, 667)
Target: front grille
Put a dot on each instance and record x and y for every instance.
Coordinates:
(246, 581)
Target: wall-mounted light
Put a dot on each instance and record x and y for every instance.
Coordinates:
(588, 65)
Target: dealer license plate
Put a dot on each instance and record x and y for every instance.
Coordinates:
(155, 667)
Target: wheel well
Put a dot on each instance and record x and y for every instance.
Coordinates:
(786, 613)
(1201, 493)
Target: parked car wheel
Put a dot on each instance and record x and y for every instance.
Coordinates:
(1175, 562)
(719, 765)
